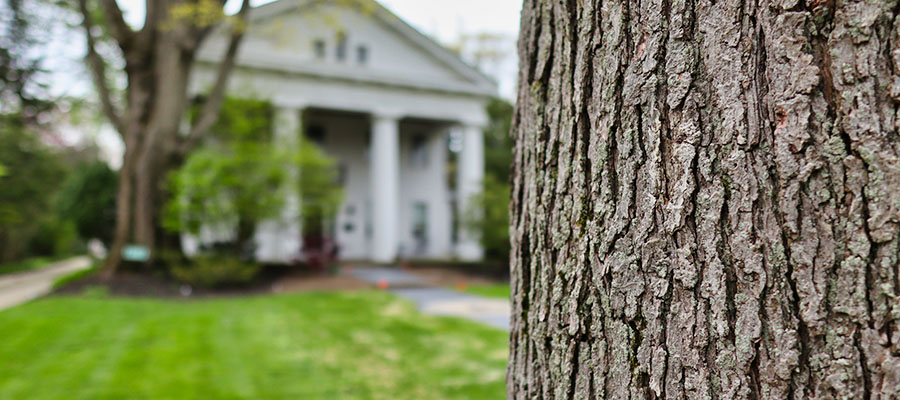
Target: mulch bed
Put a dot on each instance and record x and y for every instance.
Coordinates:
(311, 281)
(133, 284)
(272, 279)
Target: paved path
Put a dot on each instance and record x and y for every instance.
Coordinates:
(18, 288)
(436, 300)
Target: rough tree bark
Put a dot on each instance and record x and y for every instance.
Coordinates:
(158, 61)
(706, 199)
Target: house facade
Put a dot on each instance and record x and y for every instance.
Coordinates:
(381, 99)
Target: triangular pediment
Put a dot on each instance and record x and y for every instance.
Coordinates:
(348, 39)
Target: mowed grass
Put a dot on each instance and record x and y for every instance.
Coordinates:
(366, 345)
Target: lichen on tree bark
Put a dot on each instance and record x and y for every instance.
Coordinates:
(706, 200)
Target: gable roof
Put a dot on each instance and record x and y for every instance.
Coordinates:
(485, 85)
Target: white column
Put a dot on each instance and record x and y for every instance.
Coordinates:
(279, 240)
(469, 184)
(384, 159)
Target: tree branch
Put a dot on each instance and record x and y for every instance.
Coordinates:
(213, 103)
(117, 26)
(98, 70)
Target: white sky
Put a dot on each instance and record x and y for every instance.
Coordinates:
(442, 19)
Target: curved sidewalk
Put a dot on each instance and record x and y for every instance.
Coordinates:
(19, 288)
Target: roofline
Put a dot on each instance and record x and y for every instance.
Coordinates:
(435, 48)
(428, 44)
(471, 89)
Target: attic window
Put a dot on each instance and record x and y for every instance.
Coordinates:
(341, 47)
(319, 46)
(362, 54)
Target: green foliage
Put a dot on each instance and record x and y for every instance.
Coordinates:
(491, 216)
(2, 171)
(28, 189)
(214, 271)
(497, 140)
(200, 14)
(221, 186)
(242, 120)
(88, 198)
(53, 237)
(241, 178)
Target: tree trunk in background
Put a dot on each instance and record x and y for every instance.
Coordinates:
(158, 61)
(705, 201)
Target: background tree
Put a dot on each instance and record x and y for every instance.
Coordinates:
(23, 30)
(158, 58)
(705, 201)
(490, 212)
(28, 189)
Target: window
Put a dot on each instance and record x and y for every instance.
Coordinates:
(419, 154)
(420, 226)
(319, 46)
(316, 133)
(349, 225)
(362, 54)
(341, 47)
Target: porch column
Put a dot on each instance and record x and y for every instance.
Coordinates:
(384, 161)
(469, 184)
(279, 240)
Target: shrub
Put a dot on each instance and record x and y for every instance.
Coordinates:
(53, 237)
(490, 218)
(214, 271)
(88, 198)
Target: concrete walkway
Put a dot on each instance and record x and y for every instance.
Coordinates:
(18, 288)
(436, 300)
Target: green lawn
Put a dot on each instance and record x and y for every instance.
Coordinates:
(27, 264)
(366, 345)
(497, 290)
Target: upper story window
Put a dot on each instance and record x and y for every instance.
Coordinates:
(319, 47)
(362, 54)
(341, 52)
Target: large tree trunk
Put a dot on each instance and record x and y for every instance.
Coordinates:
(147, 156)
(706, 200)
(158, 61)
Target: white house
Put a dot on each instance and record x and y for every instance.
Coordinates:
(382, 99)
